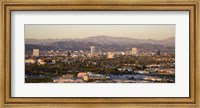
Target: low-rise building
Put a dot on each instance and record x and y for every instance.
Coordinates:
(167, 71)
(31, 61)
(82, 74)
(110, 55)
(41, 62)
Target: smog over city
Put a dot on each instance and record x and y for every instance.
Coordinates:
(99, 53)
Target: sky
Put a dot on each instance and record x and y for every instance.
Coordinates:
(50, 31)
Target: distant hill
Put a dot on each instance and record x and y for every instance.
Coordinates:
(110, 44)
(105, 40)
(44, 41)
(30, 47)
(102, 43)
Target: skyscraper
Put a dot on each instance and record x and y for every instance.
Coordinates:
(134, 51)
(92, 53)
(36, 52)
(68, 54)
(158, 52)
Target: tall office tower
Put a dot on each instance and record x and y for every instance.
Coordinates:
(36, 52)
(134, 51)
(158, 52)
(68, 54)
(92, 53)
(110, 55)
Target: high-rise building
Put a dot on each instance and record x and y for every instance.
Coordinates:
(134, 51)
(36, 52)
(68, 54)
(110, 55)
(92, 53)
(158, 52)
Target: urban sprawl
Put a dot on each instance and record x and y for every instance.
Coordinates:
(94, 66)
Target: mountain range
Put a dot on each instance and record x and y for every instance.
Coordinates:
(101, 42)
(105, 40)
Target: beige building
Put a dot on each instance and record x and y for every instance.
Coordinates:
(30, 61)
(134, 51)
(41, 62)
(36, 52)
(92, 53)
(86, 78)
(110, 55)
(82, 74)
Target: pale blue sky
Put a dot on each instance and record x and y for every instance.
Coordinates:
(157, 32)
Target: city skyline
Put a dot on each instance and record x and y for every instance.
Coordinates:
(100, 54)
(156, 32)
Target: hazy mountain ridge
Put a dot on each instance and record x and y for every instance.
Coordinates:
(44, 41)
(102, 43)
(104, 40)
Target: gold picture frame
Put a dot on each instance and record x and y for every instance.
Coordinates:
(96, 5)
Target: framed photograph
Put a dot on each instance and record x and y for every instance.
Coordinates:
(100, 53)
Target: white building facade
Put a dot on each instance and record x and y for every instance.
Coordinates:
(92, 53)
(36, 52)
